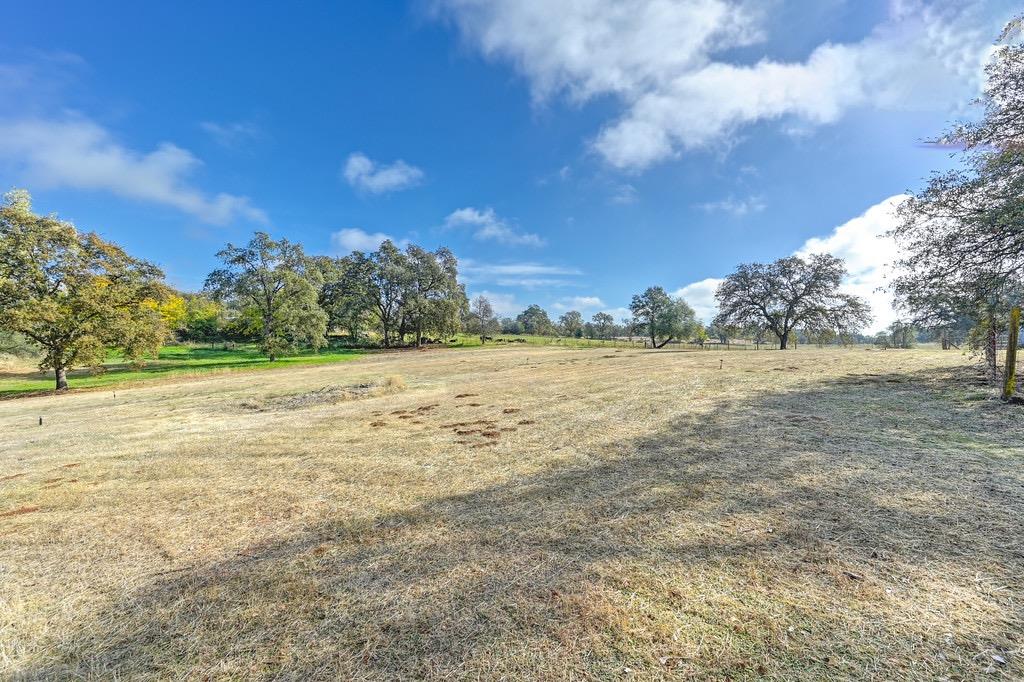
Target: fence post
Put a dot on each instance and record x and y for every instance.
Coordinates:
(1010, 372)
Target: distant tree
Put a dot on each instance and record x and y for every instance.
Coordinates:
(343, 295)
(435, 299)
(628, 327)
(279, 285)
(204, 319)
(662, 316)
(571, 323)
(535, 320)
(902, 335)
(603, 325)
(790, 293)
(73, 294)
(386, 283)
(510, 326)
(482, 319)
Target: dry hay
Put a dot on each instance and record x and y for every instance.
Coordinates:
(677, 521)
(328, 395)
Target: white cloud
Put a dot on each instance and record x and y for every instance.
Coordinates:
(231, 135)
(736, 207)
(369, 176)
(860, 242)
(504, 305)
(354, 239)
(868, 253)
(664, 62)
(701, 297)
(80, 154)
(580, 303)
(488, 226)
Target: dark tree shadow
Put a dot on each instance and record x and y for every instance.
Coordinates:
(860, 528)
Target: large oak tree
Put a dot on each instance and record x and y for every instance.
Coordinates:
(276, 283)
(72, 293)
(790, 293)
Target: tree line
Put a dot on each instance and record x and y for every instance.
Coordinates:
(72, 296)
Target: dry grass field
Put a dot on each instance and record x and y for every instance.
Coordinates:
(527, 513)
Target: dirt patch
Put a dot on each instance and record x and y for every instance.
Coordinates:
(328, 395)
(28, 509)
(510, 410)
(72, 465)
(525, 422)
(12, 476)
(466, 395)
(490, 434)
(378, 423)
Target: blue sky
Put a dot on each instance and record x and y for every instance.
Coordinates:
(571, 154)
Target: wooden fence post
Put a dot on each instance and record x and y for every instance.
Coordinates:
(1010, 372)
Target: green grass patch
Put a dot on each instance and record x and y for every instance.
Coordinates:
(171, 361)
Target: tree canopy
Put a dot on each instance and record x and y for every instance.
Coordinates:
(664, 317)
(72, 293)
(790, 293)
(963, 234)
(276, 284)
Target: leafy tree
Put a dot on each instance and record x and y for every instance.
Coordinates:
(788, 293)
(571, 323)
(343, 295)
(204, 319)
(173, 311)
(603, 324)
(963, 235)
(386, 282)
(278, 285)
(510, 326)
(72, 293)
(482, 319)
(435, 299)
(628, 327)
(663, 317)
(535, 320)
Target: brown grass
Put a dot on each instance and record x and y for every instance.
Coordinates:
(800, 515)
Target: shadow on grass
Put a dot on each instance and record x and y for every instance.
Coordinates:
(860, 528)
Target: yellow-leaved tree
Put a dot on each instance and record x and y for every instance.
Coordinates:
(72, 293)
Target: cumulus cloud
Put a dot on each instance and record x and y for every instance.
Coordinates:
(487, 225)
(868, 253)
(354, 239)
(701, 297)
(367, 175)
(80, 154)
(666, 64)
(735, 207)
(860, 242)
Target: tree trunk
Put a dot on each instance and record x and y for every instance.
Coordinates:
(663, 342)
(62, 378)
(783, 340)
(1010, 372)
(990, 350)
